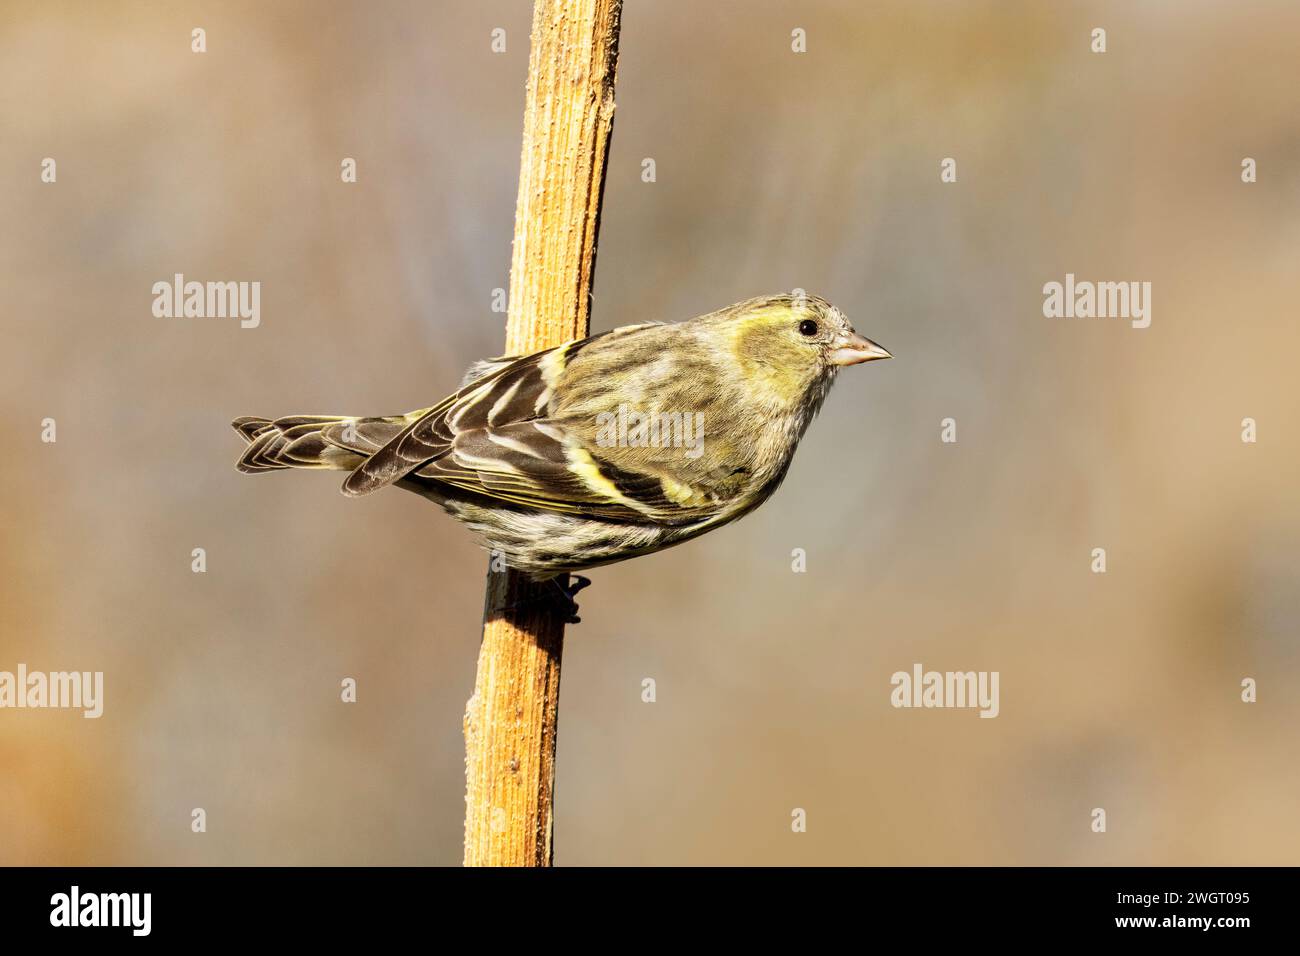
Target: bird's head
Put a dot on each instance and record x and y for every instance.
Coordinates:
(792, 345)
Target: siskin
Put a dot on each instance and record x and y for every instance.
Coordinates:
(603, 448)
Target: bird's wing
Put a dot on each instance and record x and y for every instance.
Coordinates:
(516, 391)
(533, 464)
(496, 438)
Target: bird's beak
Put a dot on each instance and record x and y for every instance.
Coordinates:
(854, 349)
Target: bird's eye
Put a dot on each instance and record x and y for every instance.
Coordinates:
(808, 327)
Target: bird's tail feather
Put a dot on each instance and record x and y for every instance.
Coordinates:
(328, 442)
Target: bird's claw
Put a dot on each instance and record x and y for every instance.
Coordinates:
(566, 601)
(558, 596)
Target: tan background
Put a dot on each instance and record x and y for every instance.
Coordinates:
(775, 170)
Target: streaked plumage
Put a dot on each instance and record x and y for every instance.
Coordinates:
(522, 452)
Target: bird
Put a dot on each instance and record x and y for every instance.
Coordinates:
(603, 448)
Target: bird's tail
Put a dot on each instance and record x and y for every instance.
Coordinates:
(328, 442)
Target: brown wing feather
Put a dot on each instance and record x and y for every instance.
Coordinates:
(514, 392)
(495, 438)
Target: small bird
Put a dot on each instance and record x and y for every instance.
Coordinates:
(604, 448)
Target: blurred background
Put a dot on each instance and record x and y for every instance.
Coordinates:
(774, 170)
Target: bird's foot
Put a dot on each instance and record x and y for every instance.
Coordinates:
(565, 596)
(556, 595)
